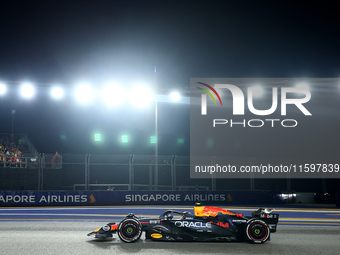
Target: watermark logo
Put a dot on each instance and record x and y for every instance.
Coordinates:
(261, 127)
(204, 97)
(280, 98)
(239, 101)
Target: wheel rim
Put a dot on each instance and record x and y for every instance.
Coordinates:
(258, 231)
(129, 230)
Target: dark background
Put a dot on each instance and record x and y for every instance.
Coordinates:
(63, 42)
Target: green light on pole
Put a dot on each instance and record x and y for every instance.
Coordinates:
(153, 139)
(97, 137)
(180, 140)
(210, 142)
(63, 137)
(124, 139)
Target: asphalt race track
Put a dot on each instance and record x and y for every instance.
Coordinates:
(63, 231)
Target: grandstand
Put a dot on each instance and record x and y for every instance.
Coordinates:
(38, 171)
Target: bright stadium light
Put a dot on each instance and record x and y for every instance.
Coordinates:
(57, 92)
(27, 90)
(175, 96)
(141, 96)
(84, 94)
(3, 88)
(113, 95)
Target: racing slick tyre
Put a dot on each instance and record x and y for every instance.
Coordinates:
(129, 230)
(257, 231)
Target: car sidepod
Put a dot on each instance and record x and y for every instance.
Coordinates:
(192, 230)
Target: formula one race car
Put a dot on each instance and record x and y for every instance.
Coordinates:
(207, 224)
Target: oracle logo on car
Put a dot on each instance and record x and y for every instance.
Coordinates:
(192, 224)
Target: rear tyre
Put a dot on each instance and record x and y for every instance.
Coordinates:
(129, 230)
(257, 231)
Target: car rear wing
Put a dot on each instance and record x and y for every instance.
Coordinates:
(268, 217)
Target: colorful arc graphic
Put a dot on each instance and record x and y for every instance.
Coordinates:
(218, 96)
(208, 94)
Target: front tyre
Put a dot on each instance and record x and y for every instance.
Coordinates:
(257, 231)
(129, 230)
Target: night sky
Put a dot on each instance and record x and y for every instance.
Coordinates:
(48, 42)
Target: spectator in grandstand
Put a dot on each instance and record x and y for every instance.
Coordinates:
(34, 160)
(2, 159)
(17, 151)
(13, 160)
(10, 152)
(8, 158)
(20, 162)
(58, 160)
(53, 162)
(2, 153)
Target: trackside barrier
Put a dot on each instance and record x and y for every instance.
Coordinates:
(144, 186)
(108, 198)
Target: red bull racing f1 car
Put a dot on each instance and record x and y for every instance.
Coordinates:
(206, 224)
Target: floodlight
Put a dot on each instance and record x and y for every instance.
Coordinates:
(84, 94)
(141, 96)
(3, 88)
(27, 90)
(57, 92)
(175, 96)
(113, 95)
